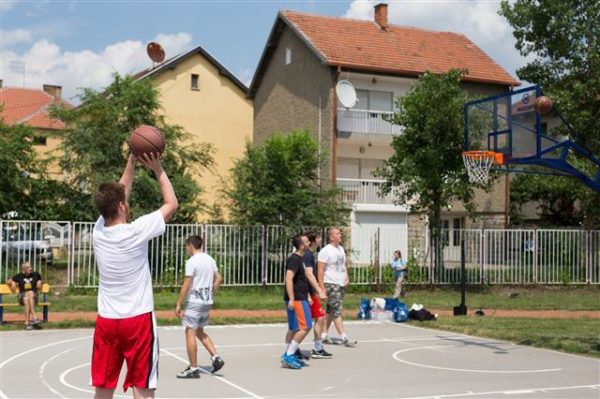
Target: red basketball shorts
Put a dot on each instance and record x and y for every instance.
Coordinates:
(135, 340)
(316, 310)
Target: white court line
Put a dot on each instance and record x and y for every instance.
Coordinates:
(396, 357)
(508, 392)
(43, 367)
(63, 380)
(252, 394)
(10, 359)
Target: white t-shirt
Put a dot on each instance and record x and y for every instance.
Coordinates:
(122, 256)
(202, 268)
(335, 264)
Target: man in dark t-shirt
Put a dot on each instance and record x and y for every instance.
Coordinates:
(28, 282)
(296, 299)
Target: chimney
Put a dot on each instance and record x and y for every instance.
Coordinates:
(381, 15)
(54, 91)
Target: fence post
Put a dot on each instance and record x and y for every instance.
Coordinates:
(588, 257)
(377, 260)
(535, 256)
(263, 249)
(482, 248)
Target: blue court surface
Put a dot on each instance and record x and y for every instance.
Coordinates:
(390, 361)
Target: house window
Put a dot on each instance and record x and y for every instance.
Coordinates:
(39, 140)
(375, 100)
(288, 55)
(445, 233)
(194, 82)
(457, 226)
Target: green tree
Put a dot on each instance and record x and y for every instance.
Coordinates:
(95, 149)
(26, 187)
(562, 40)
(426, 170)
(277, 183)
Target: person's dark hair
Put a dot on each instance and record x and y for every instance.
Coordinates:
(297, 240)
(195, 241)
(108, 197)
(312, 236)
(397, 252)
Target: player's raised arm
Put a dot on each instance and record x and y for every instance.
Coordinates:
(128, 173)
(166, 188)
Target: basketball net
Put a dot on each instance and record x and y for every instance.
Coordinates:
(478, 164)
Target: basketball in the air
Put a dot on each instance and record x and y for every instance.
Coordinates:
(145, 140)
(543, 104)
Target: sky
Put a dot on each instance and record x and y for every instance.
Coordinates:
(77, 44)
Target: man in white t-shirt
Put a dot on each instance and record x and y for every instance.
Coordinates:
(125, 325)
(202, 280)
(333, 278)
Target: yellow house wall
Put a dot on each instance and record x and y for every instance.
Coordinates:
(218, 113)
(51, 149)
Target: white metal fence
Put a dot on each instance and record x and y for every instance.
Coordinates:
(255, 255)
(363, 191)
(366, 121)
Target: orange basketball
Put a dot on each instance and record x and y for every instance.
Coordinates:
(146, 139)
(543, 104)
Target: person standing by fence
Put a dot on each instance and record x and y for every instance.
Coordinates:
(400, 271)
(202, 280)
(125, 325)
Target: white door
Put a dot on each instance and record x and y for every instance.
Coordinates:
(393, 235)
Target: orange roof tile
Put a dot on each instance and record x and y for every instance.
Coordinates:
(400, 50)
(29, 107)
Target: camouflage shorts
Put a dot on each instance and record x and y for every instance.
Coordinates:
(335, 299)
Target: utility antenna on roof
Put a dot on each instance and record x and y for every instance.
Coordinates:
(156, 53)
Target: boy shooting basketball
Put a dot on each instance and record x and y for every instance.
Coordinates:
(125, 325)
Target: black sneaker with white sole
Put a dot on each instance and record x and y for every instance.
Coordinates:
(189, 373)
(217, 364)
(322, 354)
(301, 355)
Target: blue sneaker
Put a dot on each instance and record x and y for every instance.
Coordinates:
(290, 361)
(301, 362)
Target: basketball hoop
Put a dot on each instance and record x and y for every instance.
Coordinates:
(479, 163)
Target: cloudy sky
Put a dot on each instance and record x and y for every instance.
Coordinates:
(81, 43)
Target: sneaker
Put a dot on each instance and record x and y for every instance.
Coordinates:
(348, 343)
(28, 327)
(35, 321)
(189, 373)
(301, 362)
(217, 364)
(300, 355)
(322, 354)
(290, 361)
(327, 341)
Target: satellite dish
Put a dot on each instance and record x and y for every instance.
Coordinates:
(156, 52)
(346, 94)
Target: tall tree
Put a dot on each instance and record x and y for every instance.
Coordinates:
(95, 149)
(277, 183)
(562, 40)
(426, 169)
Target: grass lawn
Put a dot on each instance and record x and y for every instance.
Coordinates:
(580, 336)
(271, 298)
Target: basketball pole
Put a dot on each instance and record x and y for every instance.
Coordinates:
(461, 310)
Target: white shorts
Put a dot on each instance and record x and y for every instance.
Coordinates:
(196, 315)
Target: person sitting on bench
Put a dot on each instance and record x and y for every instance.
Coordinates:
(28, 282)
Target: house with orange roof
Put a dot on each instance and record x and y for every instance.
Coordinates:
(294, 87)
(30, 107)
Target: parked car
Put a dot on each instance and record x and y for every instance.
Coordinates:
(26, 245)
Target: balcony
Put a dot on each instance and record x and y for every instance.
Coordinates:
(364, 121)
(363, 191)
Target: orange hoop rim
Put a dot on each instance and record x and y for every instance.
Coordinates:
(497, 157)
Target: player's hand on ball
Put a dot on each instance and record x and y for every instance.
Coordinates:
(152, 162)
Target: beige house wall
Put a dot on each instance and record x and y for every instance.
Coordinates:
(218, 112)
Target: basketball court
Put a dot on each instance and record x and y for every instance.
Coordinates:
(391, 361)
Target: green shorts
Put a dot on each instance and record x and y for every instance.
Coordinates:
(335, 299)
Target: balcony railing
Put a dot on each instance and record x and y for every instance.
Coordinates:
(374, 122)
(363, 191)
